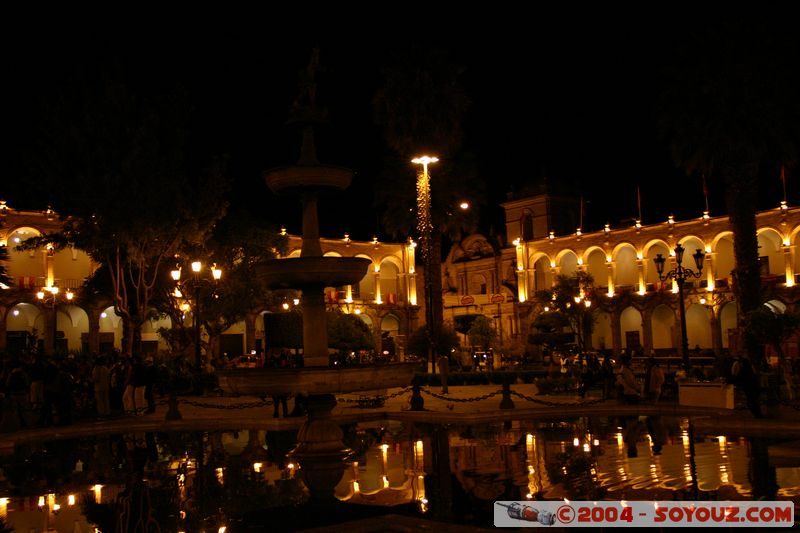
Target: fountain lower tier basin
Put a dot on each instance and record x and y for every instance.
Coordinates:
(299, 178)
(301, 272)
(315, 380)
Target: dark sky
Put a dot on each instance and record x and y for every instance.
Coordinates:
(568, 95)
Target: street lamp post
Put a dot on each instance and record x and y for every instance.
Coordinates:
(49, 297)
(194, 284)
(681, 274)
(425, 230)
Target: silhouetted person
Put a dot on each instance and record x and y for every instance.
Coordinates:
(101, 379)
(18, 388)
(444, 370)
(744, 377)
(150, 375)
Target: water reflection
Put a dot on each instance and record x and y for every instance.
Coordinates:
(202, 481)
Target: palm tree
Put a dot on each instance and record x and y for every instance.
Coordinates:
(421, 108)
(730, 112)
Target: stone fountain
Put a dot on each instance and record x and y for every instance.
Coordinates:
(320, 450)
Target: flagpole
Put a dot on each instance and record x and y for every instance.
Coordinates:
(639, 202)
(783, 180)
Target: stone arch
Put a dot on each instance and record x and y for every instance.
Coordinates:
(390, 323)
(595, 264)
(29, 263)
(366, 287)
(542, 276)
(332, 253)
(110, 328)
(389, 280)
(478, 283)
(698, 326)
(630, 321)
(567, 262)
(770, 252)
(663, 323)
(651, 251)
(602, 336)
(20, 321)
(728, 321)
(724, 260)
(626, 272)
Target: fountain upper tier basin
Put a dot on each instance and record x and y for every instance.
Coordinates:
(306, 272)
(304, 178)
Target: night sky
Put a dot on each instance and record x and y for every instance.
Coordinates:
(567, 95)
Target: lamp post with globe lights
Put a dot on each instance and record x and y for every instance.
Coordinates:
(193, 285)
(50, 296)
(680, 274)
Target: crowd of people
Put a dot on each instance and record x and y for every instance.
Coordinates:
(42, 391)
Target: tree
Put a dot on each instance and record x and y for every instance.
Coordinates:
(447, 340)
(730, 114)
(117, 162)
(348, 332)
(482, 333)
(568, 306)
(771, 328)
(421, 107)
(239, 245)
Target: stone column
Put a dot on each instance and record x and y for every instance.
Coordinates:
(647, 331)
(315, 341)
(94, 330)
(616, 332)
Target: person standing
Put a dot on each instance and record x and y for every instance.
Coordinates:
(630, 396)
(150, 378)
(128, 404)
(101, 379)
(18, 387)
(607, 371)
(139, 382)
(745, 377)
(655, 380)
(444, 370)
(36, 372)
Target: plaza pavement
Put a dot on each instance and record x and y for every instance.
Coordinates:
(463, 405)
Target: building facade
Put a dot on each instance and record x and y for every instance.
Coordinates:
(631, 306)
(385, 299)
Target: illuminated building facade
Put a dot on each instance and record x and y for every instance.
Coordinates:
(633, 309)
(385, 299)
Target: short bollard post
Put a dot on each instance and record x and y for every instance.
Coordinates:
(172, 407)
(417, 403)
(506, 402)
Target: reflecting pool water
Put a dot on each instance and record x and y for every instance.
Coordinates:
(244, 481)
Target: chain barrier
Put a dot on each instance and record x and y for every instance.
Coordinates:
(232, 407)
(450, 399)
(556, 404)
(379, 399)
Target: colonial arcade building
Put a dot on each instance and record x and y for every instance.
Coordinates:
(632, 307)
(385, 299)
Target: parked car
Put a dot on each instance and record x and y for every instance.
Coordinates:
(248, 361)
